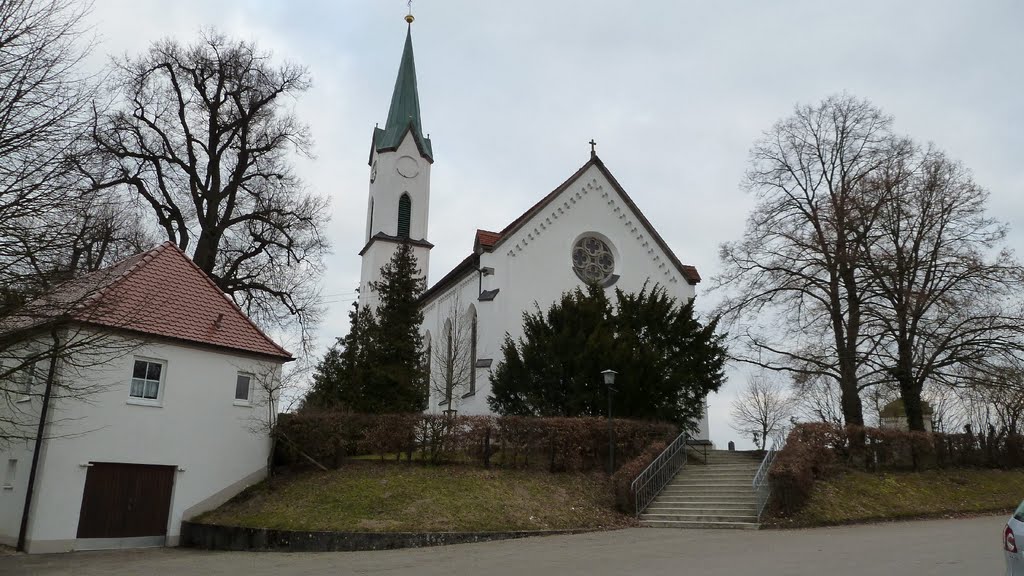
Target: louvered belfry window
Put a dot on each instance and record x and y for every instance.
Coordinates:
(404, 215)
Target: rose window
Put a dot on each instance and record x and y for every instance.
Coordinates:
(592, 260)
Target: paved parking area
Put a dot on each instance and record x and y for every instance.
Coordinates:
(937, 547)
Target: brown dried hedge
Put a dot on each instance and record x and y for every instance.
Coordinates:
(555, 444)
(816, 450)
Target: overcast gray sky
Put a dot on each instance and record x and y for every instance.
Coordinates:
(675, 92)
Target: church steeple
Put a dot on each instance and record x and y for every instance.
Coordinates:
(400, 160)
(404, 114)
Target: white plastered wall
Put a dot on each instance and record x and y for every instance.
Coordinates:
(218, 445)
(533, 265)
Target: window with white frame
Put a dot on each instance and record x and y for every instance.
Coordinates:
(147, 378)
(27, 378)
(21, 381)
(243, 387)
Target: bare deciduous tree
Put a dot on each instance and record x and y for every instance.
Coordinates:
(762, 409)
(202, 136)
(795, 297)
(942, 297)
(450, 354)
(819, 400)
(44, 98)
(49, 228)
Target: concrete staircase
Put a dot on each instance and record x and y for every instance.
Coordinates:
(717, 494)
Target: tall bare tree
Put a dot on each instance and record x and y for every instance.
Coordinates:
(450, 357)
(794, 294)
(943, 288)
(202, 135)
(762, 409)
(818, 400)
(47, 229)
(43, 100)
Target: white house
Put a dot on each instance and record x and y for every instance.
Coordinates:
(587, 229)
(157, 410)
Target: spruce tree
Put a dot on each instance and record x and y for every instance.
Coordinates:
(342, 375)
(398, 379)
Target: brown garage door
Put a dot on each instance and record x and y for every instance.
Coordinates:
(125, 500)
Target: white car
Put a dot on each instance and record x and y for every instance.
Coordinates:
(1013, 543)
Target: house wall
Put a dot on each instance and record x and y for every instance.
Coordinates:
(533, 265)
(218, 446)
(12, 495)
(19, 417)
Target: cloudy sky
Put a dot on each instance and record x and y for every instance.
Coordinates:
(675, 92)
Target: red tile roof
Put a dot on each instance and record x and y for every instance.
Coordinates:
(486, 239)
(161, 292)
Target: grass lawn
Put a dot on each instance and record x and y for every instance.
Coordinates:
(393, 497)
(861, 497)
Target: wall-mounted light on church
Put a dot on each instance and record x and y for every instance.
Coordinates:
(609, 382)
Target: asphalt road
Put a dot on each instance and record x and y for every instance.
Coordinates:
(939, 547)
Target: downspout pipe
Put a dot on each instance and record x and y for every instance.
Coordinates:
(33, 470)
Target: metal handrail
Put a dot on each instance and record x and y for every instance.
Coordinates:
(762, 488)
(658, 473)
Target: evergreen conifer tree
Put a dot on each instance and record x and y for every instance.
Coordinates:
(378, 367)
(399, 379)
(667, 362)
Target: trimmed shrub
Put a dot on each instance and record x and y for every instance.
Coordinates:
(555, 444)
(622, 480)
(814, 451)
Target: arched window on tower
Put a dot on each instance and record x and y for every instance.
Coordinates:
(369, 228)
(404, 215)
(472, 350)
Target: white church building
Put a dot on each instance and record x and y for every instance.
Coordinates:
(586, 230)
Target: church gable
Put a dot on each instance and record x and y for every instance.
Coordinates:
(592, 188)
(590, 204)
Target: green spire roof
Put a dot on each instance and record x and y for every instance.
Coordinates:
(404, 114)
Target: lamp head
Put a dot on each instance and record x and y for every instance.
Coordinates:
(609, 376)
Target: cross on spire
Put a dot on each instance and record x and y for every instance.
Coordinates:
(593, 148)
(409, 17)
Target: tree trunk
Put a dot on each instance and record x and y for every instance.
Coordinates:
(205, 255)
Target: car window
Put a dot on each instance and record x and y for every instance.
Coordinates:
(1019, 514)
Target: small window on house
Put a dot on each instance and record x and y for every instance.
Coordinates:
(147, 377)
(404, 215)
(243, 387)
(24, 380)
(12, 471)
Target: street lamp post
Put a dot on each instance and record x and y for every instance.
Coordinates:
(609, 381)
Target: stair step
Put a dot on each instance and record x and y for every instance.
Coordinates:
(749, 511)
(712, 488)
(699, 525)
(751, 472)
(723, 506)
(697, 483)
(705, 499)
(725, 466)
(684, 517)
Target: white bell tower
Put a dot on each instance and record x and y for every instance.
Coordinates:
(400, 159)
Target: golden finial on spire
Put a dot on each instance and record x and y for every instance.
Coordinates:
(409, 17)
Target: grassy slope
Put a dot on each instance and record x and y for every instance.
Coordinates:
(400, 497)
(860, 497)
